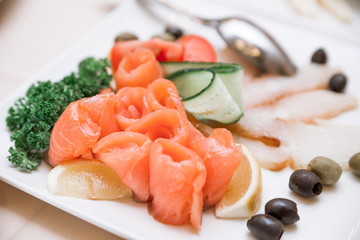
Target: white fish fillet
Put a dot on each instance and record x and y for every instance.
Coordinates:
(305, 106)
(301, 142)
(269, 120)
(272, 158)
(336, 141)
(265, 90)
(288, 139)
(340, 8)
(305, 7)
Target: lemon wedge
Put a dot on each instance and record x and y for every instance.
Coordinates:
(243, 195)
(90, 179)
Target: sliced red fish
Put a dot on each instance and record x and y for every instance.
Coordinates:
(162, 94)
(101, 109)
(167, 123)
(137, 69)
(130, 106)
(163, 50)
(128, 154)
(73, 135)
(221, 157)
(177, 176)
(80, 126)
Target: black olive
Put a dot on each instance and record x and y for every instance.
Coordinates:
(126, 36)
(283, 209)
(305, 183)
(319, 57)
(337, 82)
(265, 227)
(175, 31)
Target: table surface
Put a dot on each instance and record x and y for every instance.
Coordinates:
(33, 33)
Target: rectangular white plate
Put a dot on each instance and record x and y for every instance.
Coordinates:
(332, 215)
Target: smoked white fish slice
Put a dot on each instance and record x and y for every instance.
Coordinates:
(336, 141)
(305, 7)
(306, 106)
(301, 142)
(267, 90)
(269, 120)
(271, 158)
(340, 8)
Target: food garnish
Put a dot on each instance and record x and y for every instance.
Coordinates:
(32, 117)
(337, 82)
(354, 163)
(90, 179)
(265, 227)
(165, 36)
(305, 183)
(125, 36)
(328, 170)
(174, 30)
(283, 209)
(243, 195)
(319, 56)
(206, 95)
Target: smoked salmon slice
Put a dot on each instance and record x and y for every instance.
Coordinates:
(162, 94)
(137, 69)
(130, 106)
(166, 123)
(128, 154)
(73, 134)
(80, 126)
(163, 50)
(177, 176)
(101, 111)
(221, 157)
(120, 50)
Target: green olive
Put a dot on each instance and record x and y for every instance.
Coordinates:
(328, 170)
(125, 36)
(165, 36)
(354, 164)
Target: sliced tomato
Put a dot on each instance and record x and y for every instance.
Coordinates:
(197, 49)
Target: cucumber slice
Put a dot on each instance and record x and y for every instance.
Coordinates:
(230, 73)
(171, 67)
(205, 95)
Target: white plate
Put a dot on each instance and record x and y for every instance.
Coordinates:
(332, 215)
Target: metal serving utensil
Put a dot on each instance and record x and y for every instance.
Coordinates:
(249, 40)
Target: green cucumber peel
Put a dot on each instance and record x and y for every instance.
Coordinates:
(212, 92)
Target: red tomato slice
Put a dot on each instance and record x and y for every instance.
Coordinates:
(197, 49)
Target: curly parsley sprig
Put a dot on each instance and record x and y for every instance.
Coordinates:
(32, 117)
